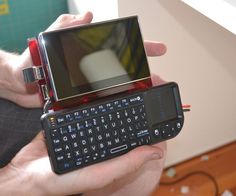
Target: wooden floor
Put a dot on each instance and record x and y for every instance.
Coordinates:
(218, 165)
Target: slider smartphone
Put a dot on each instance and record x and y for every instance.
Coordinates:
(99, 99)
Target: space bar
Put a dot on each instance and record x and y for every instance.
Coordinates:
(119, 148)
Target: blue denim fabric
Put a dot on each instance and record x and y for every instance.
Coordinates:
(18, 126)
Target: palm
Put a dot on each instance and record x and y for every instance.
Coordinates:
(33, 160)
(32, 154)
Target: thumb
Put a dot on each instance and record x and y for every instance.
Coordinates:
(116, 168)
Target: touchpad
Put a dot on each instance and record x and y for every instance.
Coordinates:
(161, 105)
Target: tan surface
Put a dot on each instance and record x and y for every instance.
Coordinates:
(221, 165)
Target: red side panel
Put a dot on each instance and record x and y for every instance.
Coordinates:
(34, 52)
(36, 58)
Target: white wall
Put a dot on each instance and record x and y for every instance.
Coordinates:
(102, 9)
(201, 57)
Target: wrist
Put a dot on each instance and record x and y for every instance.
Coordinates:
(14, 182)
(5, 74)
(23, 61)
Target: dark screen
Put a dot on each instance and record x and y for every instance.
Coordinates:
(163, 105)
(94, 57)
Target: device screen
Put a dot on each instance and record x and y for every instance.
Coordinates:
(95, 57)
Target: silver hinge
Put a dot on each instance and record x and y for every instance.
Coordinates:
(44, 89)
(33, 74)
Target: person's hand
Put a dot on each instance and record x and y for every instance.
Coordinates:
(31, 168)
(155, 49)
(30, 171)
(12, 83)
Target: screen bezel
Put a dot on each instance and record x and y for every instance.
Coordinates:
(67, 84)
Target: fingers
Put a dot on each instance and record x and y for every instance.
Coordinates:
(67, 20)
(24, 100)
(155, 48)
(157, 80)
(104, 173)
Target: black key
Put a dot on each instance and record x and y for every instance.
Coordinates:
(65, 165)
(55, 133)
(133, 144)
(107, 135)
(101, 146)
(91, 140)
(102, 109)
(124, 102)
(78, 161)
(73, 136)
(75, 144)
(61, 120)
(63, 130)
(85, 151)
(68, 155)
(93, 148)
(79, 126)
(69, 117)
(137, 99)
(71, 128)
(109, 106)
(88, 123)
(85, 113)
(90, 132)
(81, 133)
(83, 142)
(117, 140)
(67, 147)
(77, 153)
(77, 115)
(95, 156)
(56, 141)
(117, 104)
(124, 138)
(65, 138)
(99, 137)
(119, 149)
(60, 158)
(109, 143)
(103, 153)
(58, 150)
(87, 159)
(93, 111)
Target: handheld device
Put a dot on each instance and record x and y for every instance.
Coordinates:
(99, 99)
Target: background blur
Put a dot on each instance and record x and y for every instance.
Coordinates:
(22, 19)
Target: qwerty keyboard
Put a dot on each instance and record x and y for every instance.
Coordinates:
(90, 134)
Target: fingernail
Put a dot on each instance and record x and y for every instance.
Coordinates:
(156, 156)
